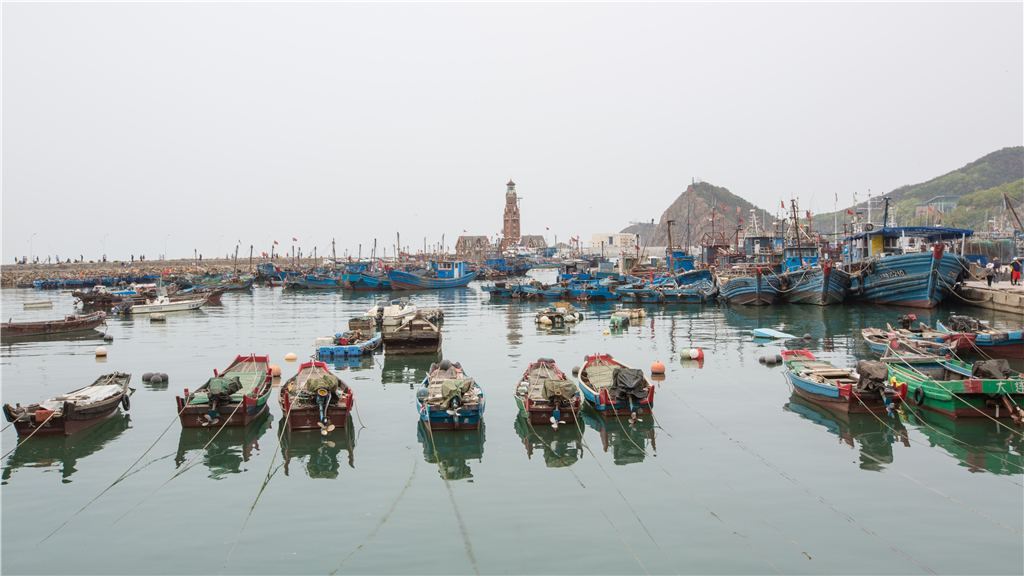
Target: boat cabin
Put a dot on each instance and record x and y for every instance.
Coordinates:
(451, 270)
(794, 258)
(898, 240)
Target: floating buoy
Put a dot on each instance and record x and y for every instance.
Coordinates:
(290, 357)
(275, 370)
(156, 379)
(101, 351)
(807, 336)
(607, 332)
(696, 353)
(157, 318)
(763, 359)
(164, 377)
(657, 367)
(575, 370)
(147, 376)
(769, 359)
(108, 338)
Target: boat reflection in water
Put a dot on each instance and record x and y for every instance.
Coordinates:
(875, 433)
(408, 370)
(321, 452)
(628, 442)
(354, 363)
(978, 443)
(231, 448)
(561, 447)
(64, 452)
(451, 450)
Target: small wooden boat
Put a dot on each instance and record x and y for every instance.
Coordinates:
(545, 396)
(448, 399)
(840, 389)
(69, 324)
(956, 389)
(558, 314)
(233, 397)
(392, 313)
(614, 388)
(37, 305)
(416, 335)
(952, 341)
(74, 411)
(881, 341)
(1005, 343)
(165, 304)
(315, 398)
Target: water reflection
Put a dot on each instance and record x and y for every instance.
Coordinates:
(628, 442)
(561, 448)
(452, 450)
(64, 452)
(408, 370)
(875, 433)
(978, 443)
(354, 363)
(231, 448)
(321, 452)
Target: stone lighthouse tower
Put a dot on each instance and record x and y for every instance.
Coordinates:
(510, 229)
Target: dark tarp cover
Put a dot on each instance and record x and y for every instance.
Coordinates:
(327, 382)
(559, 388)
(991, 369)
(873, 375)
(962, 324)
(628, 383)
(221, 387)
(454, 388)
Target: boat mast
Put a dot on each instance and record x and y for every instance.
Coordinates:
(796, 232)
(671, 270)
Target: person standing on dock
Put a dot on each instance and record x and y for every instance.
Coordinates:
(1015, 270)
(990, 273)
(997, 267)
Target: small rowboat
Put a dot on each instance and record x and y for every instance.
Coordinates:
(165, 304)
(614, 388)
(234, 397)
(69, 324)
(315, 398)
(839, 388)
(74, 411)
(448, 399)
(38, 305)
(545, 395)
(1005, 343)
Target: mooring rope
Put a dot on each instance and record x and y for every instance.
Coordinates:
(25, 439)
(796, 482)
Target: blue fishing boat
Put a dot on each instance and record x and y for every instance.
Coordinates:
(806, 279)
(502, 290)
(444, 275)
(895, 265)
(694, 287)
(640, 294)
(838, 388)
(448, 399)
(614, 388)
(316, 282)
(1005, 343)
(370, 281)
(753, 290)
(591, 290)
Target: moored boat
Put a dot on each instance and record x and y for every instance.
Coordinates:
(67, 325)
(957, 389)
(74, 411)
(839, 388)
(233, 397)
(416, 335)
(448, 399)
(314, 398)
(545, 396)
(392, 313)
(166, 304)
(882, 342)
(821, 285)
(754, 290)
(614, 388)
(558, 314)
(444, 275)
(693, 287)
(1005, 343)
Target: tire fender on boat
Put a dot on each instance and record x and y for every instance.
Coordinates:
(918, 395)
(125, 402)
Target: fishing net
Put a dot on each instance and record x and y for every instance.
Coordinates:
(222, 387)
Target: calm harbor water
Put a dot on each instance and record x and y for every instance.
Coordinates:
(734, 474)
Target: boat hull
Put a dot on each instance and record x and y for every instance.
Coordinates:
(308, 417)
(967, 398)
(543, 415)
(66, 326)
(918, 280)
(749, 291)
(603, 403)
(64, 426)
(405, 281)
(231, 414)
(816, 286)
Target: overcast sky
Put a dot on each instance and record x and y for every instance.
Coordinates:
(206, 125)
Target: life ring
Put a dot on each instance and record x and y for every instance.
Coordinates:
(919, 395)
(125, 402)
(47, 327)
(869, 227)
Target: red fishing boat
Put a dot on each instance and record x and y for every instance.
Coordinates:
(71, 412)
(233, 397)
(315, 398)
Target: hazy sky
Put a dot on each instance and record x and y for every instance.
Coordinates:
(203, 123)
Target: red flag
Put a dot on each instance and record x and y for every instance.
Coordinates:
(741, 220)
(295, 239)
(808, 214)
(546, 228)
(783, 204)
(275, 241)
(848, 211)
(463, 231)
(837, 196)
(723, 207)
(737, 210)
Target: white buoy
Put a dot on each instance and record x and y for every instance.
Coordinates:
(290, 357)
(607, 332)
(696, 353)
(101, 351)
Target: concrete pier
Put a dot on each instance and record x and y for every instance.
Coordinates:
(1000, 296)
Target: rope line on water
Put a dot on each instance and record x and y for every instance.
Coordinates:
(796, 482)
(382, 520)
(270, 474)
(25, 439)
(591, 496)
(623, 496)
(451, 495)
(184, 469)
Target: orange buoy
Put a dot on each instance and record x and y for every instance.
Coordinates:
(275, 370)
(657, 367)
(290, 357)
